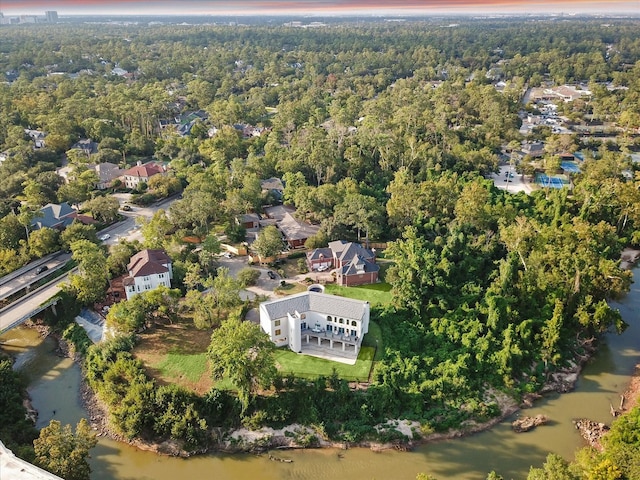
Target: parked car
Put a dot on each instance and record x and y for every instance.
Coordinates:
(41, 268)
(126, 208)
(322, 268)
(105, 237)
(271, 275)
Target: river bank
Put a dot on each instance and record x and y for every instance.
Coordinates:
(295, 436)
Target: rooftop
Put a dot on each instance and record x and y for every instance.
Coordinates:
(316, 302)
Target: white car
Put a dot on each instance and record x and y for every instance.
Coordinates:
(105, 237)
(322, 268)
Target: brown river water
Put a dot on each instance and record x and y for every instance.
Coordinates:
(54, 384)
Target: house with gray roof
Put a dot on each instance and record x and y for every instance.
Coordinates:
(54, 215)
(353, 263)
(317, 324)
(294, 231)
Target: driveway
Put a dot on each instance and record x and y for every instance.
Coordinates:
(264, 286)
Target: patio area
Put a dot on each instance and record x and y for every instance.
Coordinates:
(329, 345)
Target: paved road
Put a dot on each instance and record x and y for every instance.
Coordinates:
(28, 274)
(128, 228)
(26, 304)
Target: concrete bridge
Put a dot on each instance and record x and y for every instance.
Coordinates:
(31, 304)
(14, 468)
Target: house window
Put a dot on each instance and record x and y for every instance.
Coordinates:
(353, 323)
(329, 328)
(145, 279)
(161, 275)
(329, 319)
(278, 332)
(277, 323)
(341, 320)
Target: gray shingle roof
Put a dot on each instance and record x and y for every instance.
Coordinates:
(352, 268)
(347, 250)
(315, 302)
(319, 253)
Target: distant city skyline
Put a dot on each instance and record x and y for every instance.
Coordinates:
(316, 7)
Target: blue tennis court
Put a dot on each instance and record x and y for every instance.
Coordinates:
(570, 167)
(546, 181)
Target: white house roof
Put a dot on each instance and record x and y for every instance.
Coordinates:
(315, 302)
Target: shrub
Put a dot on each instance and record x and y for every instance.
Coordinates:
(302, 266)
(248, 276)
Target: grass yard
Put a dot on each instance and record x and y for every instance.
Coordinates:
(178, 365)
(312, 367)
(305, 366)
(176, 354)
(290, 288)
(375, 294)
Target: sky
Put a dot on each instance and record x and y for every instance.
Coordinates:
(316, 7)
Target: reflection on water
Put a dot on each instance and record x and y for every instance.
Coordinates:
(54, 387)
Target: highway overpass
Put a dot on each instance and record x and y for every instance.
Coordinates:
(29, 305)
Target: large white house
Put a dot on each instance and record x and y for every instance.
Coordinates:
(148, 270)
(317, 324)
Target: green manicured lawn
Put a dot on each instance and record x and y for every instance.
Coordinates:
(312, 367)
(180, 365)
(305, 366)
(375, 294)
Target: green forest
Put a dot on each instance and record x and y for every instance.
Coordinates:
(381, 132)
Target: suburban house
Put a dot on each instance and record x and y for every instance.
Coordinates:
(86, 146)
(354, 264)
(295, 232)
(107, 173)
(148, 270)
(533, 149)
(317, 324)
(273, 187)
(141, 173)
(37, 136)
(248, 220)
(54, 215)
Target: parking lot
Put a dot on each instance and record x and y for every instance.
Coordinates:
(511, 181)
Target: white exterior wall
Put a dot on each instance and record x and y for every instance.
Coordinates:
(269, 327)
(295, 335)
(150, 282)
(131, 181)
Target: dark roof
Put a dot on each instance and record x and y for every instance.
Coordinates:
(319, 253)
(54, 215)
(359, 265)
(347, 250)
(148, 262)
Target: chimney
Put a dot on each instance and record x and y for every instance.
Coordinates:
(138, 163)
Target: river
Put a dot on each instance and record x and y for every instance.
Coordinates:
(54, 385)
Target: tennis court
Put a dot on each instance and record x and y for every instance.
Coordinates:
(570, 167)
(546, 181)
